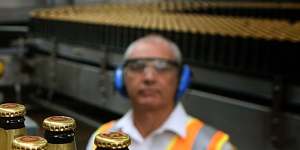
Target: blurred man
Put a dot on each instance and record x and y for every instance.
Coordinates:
(153, 78)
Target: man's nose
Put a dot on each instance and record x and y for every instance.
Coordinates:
(149, 73)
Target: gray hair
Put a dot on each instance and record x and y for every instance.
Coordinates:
(157, 38)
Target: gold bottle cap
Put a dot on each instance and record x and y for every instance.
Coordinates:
(29, 143)
(59, 123)
(12, 110)
(112, 140)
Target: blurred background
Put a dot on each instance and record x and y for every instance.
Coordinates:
(57, 57)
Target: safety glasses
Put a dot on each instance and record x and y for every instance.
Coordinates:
(160, 65)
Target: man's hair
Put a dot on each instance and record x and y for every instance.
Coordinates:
(154, 38)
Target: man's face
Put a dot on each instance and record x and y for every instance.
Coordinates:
(151, 76)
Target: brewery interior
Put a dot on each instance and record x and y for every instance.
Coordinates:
(57, 57)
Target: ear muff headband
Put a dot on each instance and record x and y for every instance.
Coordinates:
(118, 81)
(185, 79)
(184, 82)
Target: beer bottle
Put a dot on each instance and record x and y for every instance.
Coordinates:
(11, 124)
(60, 133)
(29, 143)
(112, 141)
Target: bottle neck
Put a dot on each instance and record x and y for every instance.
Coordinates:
(98, 148)
(62, 137)
(8, 123)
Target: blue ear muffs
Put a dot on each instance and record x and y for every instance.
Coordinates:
(184, 82)
(185, 79)
(118, 81)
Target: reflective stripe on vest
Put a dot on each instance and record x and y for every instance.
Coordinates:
(199, 137)
(217, 141)
(210, 139)
(104, 128)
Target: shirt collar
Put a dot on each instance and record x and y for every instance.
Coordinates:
(126, 125)
(175, 123)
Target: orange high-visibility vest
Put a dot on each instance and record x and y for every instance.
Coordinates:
(199, 137)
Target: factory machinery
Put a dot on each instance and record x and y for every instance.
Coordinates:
(243, 57)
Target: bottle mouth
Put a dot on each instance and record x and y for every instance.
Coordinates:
(30, 143)
(12, 110)
(113, 140)
(59, 123)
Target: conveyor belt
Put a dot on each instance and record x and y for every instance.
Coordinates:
(275, 10)
(234, 59)
(252, 46)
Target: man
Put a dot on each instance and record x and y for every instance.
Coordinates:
(151, 74)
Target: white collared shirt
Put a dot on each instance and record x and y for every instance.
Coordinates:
(160, 138)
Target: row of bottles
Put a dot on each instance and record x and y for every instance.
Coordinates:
(59, 133)
(103, 141)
